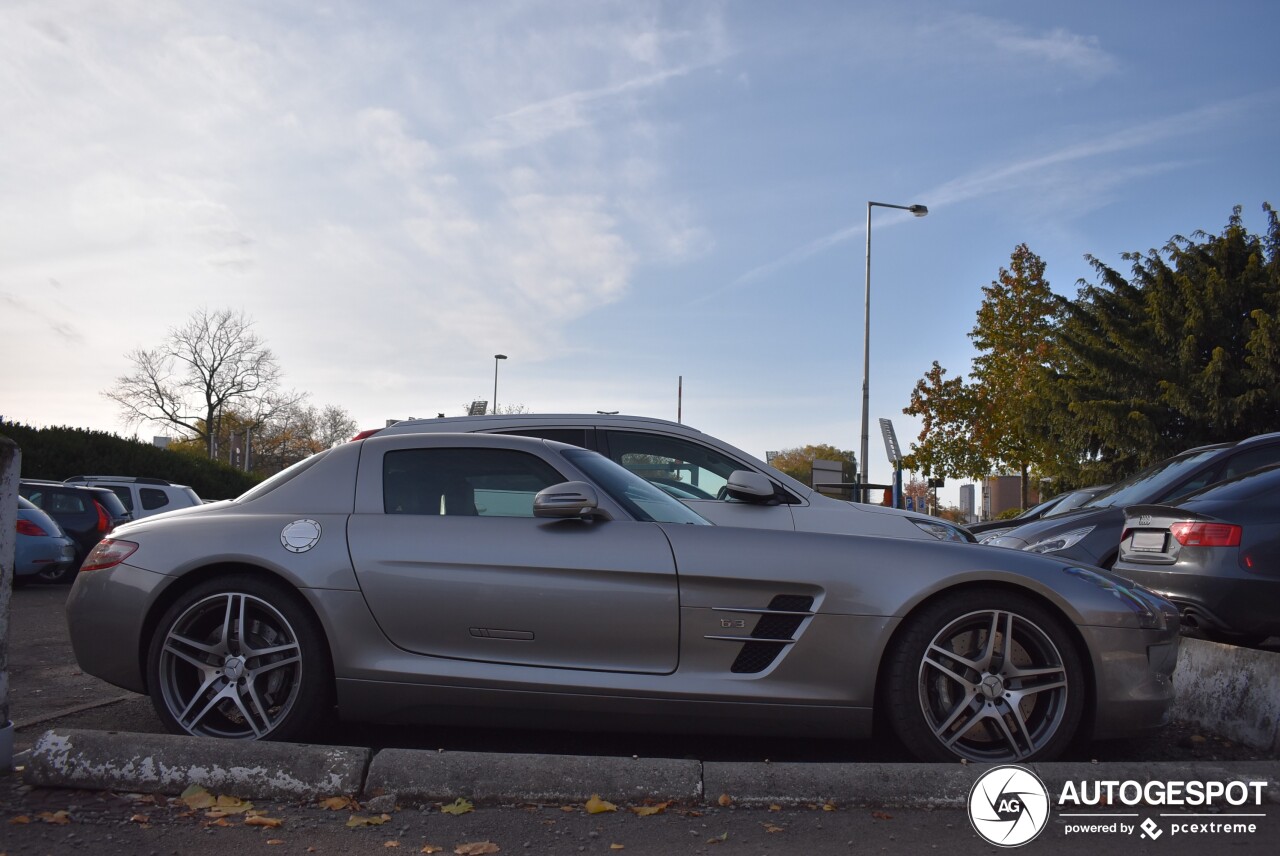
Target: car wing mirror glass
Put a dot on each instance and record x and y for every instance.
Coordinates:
(749, 486)
(568, 500)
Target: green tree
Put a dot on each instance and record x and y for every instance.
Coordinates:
(1184, 351)
(798, 462)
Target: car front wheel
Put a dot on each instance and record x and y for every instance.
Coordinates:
(988, 676)
(238, 657)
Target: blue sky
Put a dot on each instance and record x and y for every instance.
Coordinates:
(614, 194)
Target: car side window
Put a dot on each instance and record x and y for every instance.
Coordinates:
(126, 497)
(1251, 460)
(151, 499)
(683, 468)
(572, 436)
(464, 482)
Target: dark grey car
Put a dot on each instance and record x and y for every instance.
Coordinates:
(1215, 554)
(449, 578)
(1092, 532)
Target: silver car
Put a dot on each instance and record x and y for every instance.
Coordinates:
(471, 577)
(696, 468)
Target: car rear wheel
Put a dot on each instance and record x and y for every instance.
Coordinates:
(989, 676)
(240, 658)
(59, 575)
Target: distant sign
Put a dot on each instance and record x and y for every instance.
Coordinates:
(890, 441)
(477, 408)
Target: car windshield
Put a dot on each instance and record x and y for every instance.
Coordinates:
(1150, 484)
(1073, 500)
(1251, 485)
(642, 500)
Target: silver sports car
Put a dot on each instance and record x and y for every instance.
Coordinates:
(466, 577)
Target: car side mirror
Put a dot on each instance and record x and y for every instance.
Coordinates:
(749, 486)
(574, 499)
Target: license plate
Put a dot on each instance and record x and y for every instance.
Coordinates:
(1147, 542)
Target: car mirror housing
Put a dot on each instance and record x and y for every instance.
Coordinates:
(749, 486)
(568, 500)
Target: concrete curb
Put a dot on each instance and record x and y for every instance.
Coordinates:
(1230, 690)
(158, 763)
(168, 764)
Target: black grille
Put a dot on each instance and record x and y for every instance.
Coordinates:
(758, 656)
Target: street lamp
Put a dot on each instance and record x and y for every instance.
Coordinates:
(496, 357)
(918, 211)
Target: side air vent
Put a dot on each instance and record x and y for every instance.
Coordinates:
(774, 631)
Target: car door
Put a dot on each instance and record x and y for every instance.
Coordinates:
(695, 474)
(453, 563)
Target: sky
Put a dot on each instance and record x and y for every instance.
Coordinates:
(628, 199)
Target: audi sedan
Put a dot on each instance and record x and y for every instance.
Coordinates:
(447, 578)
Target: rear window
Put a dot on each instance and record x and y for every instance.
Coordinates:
(152, 498)
(1154, 482)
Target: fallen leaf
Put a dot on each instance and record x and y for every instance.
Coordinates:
(357, 820)
(725, 800)
(222, 821)
(19, 820)
(719, 839)
(771, 828)
(775, 807)
(57, 818)
(458, 806)
(196, 797)
(431, 848)
(830, 806)
(617, 847)
(274, 841)
(648, 810)
(595, 805)
(233, 805)
(391, 844)
(139, 818)
(339, 804)
(259, 820)
(881, 815)
(568, 808)
(477, 848)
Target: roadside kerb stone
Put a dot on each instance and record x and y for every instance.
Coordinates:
(864, 785)
(168, 764)
(414, 777)
(1230, 690)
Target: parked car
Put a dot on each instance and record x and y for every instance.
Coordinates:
(84, 513)
(1060, 504)
(1215, 554)
(696, 468)
(1092, 532)
(143, 496)
(463, 577)
(43, 552)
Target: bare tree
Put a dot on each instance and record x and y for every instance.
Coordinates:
(210, 364)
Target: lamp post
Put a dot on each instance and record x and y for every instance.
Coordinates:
(918, 211)
(496, 357)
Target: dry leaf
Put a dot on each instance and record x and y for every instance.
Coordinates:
(139, 818)
(771, 828)
(357, 820)
(880, 815)
(617, 847)
(196, 797)
(719, 839)
(339, 804)
(477, 848)
(259, 820)
(19, 820)
(57, 818)
(391, 844)
(222, 821)
(648, 810)
(830, 806)
(274, 841)
(725, 800)
(775, 807)
(568, 808)
(431, 848)
(595, 805)
(458, 806)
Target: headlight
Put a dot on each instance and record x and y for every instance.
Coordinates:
(1142, 602)
(941, 531)
(988, 537)
(1054, 543)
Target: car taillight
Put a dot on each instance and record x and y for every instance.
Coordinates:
(1206, 534)
(368, 432)
(104, 519)
(107, 554)
(26, 527)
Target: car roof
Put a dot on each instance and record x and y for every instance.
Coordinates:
(594, 419)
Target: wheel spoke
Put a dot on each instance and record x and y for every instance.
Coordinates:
(189, 722)
(969, 686)
(952, 655)
(1023, 748)
(965, 705)
(255, 716)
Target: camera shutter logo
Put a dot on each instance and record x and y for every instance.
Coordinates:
(1009, 806)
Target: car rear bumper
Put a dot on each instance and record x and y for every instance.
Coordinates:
(105, 619)
(1244, 604)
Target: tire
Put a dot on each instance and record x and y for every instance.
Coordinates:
(241, 658)
(987, 675)
(65, 574)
